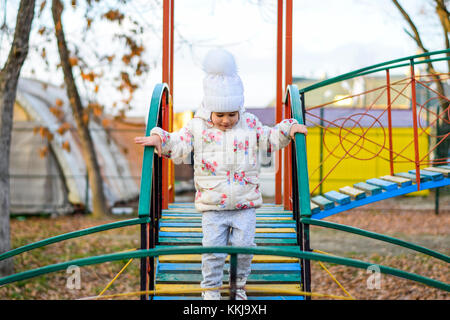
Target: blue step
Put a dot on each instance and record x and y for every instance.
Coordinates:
(386, 185)
(411, 176)
(323, 202)
(435, 176)
(337, 197)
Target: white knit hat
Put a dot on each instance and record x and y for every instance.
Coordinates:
(222, 87)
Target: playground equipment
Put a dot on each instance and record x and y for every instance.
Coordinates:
(171, 233)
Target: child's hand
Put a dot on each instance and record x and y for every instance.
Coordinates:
(298, 128)
(154, 140)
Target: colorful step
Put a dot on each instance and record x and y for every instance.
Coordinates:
(368, 188)
(386, 185)
(337, 197)
(354, 193)
(400, 181)
(444, 171)
(435, 176)
(323, 202)
(412, 177)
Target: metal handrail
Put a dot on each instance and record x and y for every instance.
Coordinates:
(229, 250)
(301, 200)
(376, 68)
(71, 235)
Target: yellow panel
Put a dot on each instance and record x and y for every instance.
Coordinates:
(350, 170)
(198, 258)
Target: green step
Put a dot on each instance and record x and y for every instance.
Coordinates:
(252, 278)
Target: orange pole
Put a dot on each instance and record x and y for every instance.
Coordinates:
(414, 112)
(279, 97)
(171, 46)
(288, 80)
(165, 42)
(391, 151)
(172, 166)
(165, 106)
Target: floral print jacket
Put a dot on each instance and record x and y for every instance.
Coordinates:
(226, 163)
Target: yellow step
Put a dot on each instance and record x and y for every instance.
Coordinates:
(396, 179)
(254, 289)
(352, 192)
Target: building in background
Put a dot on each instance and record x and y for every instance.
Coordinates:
(48, 175)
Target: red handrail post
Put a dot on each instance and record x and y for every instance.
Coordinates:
(279, 97)
(414, 112)
(388, 87)
(287, 192)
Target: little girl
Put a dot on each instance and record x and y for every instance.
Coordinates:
(228, 144)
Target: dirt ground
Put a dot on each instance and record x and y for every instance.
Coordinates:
(407, 218)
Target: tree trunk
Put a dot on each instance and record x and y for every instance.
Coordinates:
(99, 204)
(443, 126)
(9, 77)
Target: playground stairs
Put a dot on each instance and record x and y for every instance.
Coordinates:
(377, 189)
(180, 225)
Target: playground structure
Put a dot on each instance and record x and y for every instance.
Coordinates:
(170, 232)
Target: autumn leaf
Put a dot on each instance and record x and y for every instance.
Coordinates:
(41, 8)
(114, 15)
(63, 128)
(59, 102)
(73, 61)
(43, 132)
(85, 118)
(57, 112)
(66, 146)
(43, 152)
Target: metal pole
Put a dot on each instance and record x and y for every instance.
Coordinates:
(414, 112)
(233, 273)
(391, 151)
(279, 97)
(322, 115)
(304, 229)
(86, 195)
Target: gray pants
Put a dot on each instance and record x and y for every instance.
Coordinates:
(222, 228)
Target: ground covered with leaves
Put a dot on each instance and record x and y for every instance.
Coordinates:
(416, 224)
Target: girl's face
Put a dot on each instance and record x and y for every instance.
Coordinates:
(224, 120)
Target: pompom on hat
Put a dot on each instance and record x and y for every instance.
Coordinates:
(222, 87)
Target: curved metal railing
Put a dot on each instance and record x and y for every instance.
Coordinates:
(150, 211)
(300, 185)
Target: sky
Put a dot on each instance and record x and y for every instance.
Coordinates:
(330, 37)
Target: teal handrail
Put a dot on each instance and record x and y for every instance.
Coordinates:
(147, 162)
(71, 235)
(376, 68)
(292, 93)
(144, 202)
(230, 250)
(374, 235)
